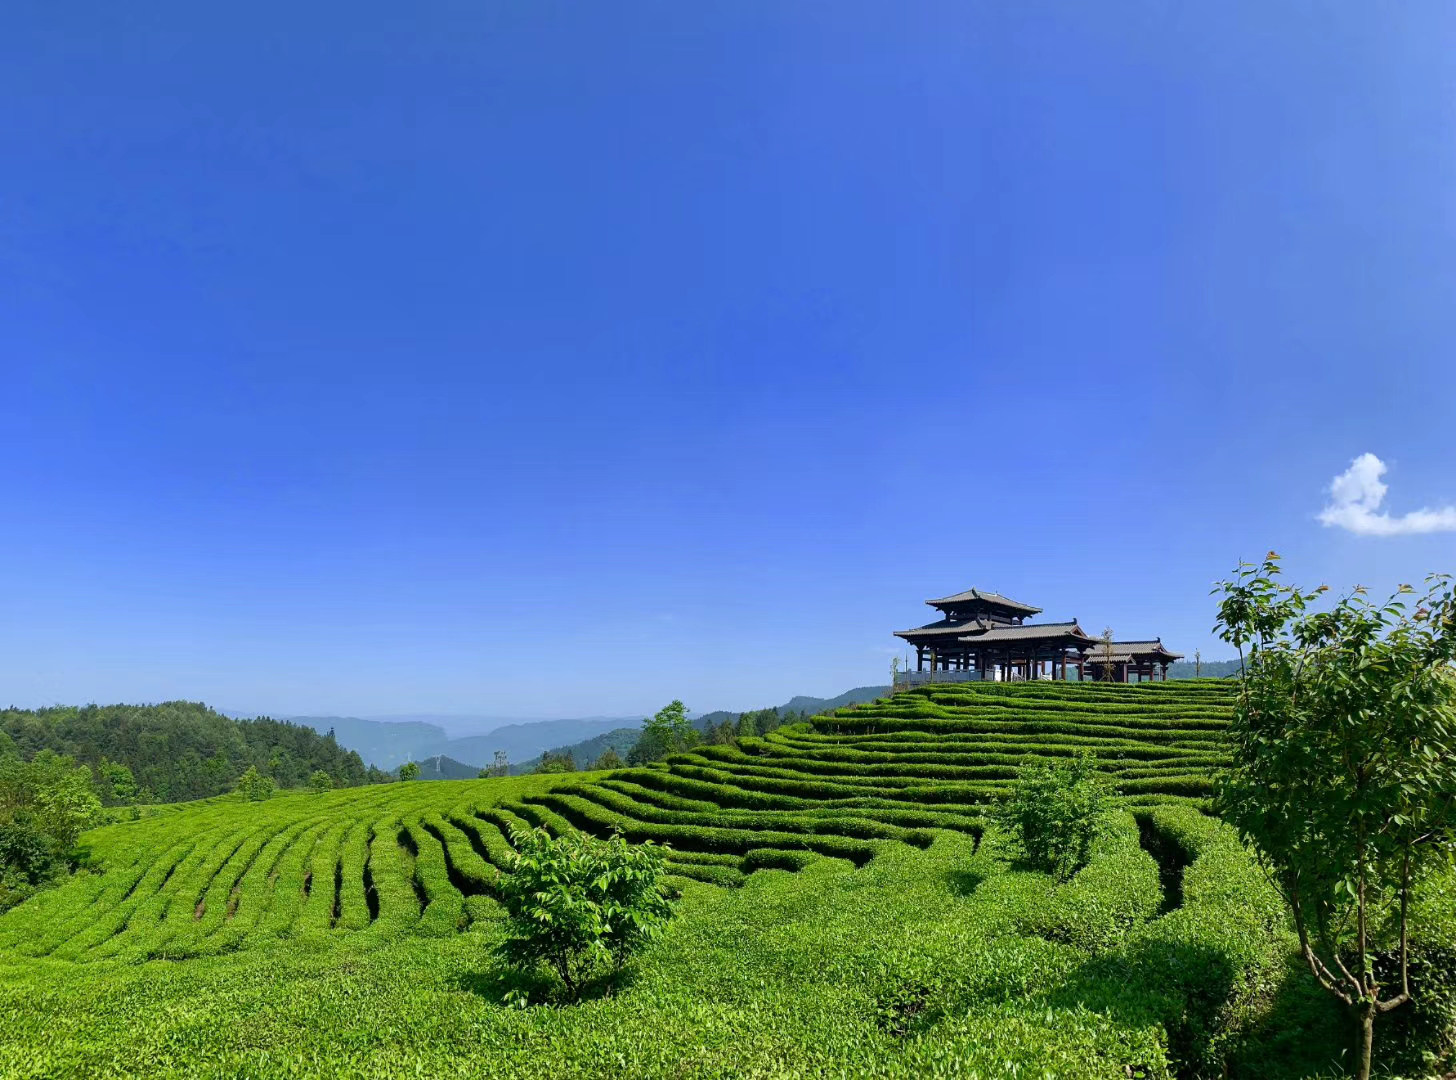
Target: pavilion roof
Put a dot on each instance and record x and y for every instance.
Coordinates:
(943, 628)
(989, 598)
(994, 634)
(1125, 651)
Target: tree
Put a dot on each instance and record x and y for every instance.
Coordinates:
(610, 759)
(410, 770)
(748, 726)
(45, 805)
(670, 724)
(254, 786)
(117, 780)
(578, 904)
(1106, 651)
(320, 781)
(668, 732)
(1054, 813)
(1197, 664)
(558, 761)
(1344, 766)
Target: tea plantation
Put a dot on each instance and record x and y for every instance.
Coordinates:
(847, 910)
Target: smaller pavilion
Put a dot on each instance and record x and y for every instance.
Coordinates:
(1144, 659)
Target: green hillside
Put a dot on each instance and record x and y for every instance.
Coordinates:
(849, 781)
(847, 908)
(844, 786)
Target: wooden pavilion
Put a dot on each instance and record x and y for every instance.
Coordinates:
(1144, 659)
(984, 635)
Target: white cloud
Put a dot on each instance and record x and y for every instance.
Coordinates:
(1355, 498)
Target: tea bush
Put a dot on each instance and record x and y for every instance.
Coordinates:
(577, 904)
(1055, 813)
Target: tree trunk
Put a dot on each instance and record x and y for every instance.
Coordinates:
(1367, 1037)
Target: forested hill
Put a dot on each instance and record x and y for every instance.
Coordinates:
(801, 706)
(179, 749)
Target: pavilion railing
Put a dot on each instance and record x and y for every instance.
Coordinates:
(907, 680)
(904, 680)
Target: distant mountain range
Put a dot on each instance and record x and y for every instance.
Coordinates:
(622, 739)
(389, 742)
(441, 767)
(800, 704)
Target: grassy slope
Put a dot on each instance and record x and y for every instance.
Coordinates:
(347, 933)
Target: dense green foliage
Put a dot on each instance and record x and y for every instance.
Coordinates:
(1344, 767)
(45, 805)
(178, 750)
(553, 762)
(254, 786)
(579, 905)
(410, 770)
(878, 922)
(668, 731)
(1054, 813)
(750, 724)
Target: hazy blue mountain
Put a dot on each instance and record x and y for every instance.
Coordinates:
(464, 725)
(390, 743)
(528, 740)
(441, 767)
(382, 743)
(585, 753)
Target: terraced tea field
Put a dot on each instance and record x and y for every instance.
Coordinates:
(846, 908)
(426, 857)
(849, 782)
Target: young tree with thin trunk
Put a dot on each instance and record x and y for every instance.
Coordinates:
(1107, 651)
(1344, 767)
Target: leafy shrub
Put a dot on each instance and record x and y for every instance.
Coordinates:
(577, 904)
(26, 852)
(320, 782)
(254, 786)
(1054, 813)
(410, 770)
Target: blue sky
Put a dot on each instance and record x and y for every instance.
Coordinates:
(556, 359)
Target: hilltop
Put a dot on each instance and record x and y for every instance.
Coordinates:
(847, 906)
